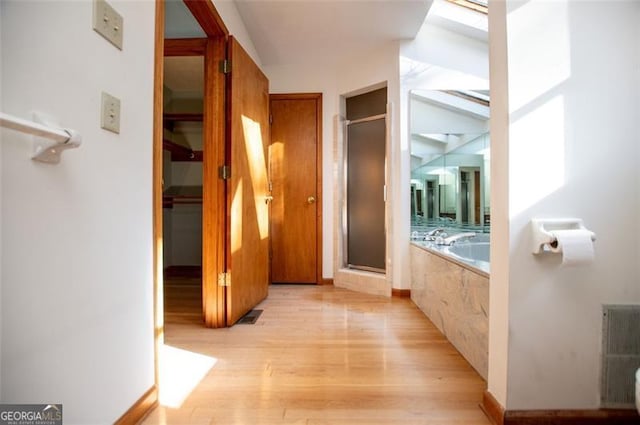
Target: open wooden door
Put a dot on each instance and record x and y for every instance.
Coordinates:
(248, 186)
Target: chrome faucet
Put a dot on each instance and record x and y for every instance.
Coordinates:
(432, 234)
(452, 239)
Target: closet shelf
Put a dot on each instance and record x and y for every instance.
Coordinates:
(181, 153)
(170, 118)
(182, 195)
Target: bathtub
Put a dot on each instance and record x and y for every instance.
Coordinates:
(471, 251)
(473, 254)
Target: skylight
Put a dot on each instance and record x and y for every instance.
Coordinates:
(472, 95)
(455, 16)
(477, 5)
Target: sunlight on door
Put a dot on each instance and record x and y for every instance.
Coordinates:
(236, 223)
(258, 171)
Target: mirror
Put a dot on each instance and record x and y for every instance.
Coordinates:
(450, 159)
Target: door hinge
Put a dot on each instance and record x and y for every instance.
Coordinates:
(224, 279)
(270, 119)
(224, 172)
(225, 66)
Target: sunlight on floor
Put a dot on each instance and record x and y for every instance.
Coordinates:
(180, 372)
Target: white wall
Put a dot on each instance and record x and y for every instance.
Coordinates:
(77, 290)
(572, 99)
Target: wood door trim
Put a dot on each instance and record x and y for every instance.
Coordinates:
(185, 46)
(157, 198)
(207, 16)
(492, 408)
(318, 98)
(213, 199)
(213, 49)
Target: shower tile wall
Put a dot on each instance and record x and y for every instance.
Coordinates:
(456, 300)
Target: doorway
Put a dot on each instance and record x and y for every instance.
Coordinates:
(183, 89)
(233, 223)
(295, 158)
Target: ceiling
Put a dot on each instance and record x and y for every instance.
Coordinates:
(299, 31)
(321, 31)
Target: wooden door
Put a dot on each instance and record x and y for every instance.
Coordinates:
(296, 188)
(247, 190)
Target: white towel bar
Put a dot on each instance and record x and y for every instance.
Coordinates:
(44, 152)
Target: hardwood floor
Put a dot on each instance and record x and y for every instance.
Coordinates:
(182, 301)
(322, 355)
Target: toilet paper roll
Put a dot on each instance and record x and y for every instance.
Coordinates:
(576, 246)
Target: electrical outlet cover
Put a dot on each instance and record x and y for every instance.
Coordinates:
(108, 23)
(110, 113)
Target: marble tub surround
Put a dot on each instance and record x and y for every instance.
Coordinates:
(456, 299)
(362, 281)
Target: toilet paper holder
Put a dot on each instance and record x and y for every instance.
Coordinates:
(542, 228)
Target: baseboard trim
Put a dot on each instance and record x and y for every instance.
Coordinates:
(491, 408)
(326, 281)
(499, 416)
(401, 293)
(140, 409)
(572, 417)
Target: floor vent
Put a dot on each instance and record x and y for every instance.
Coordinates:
(620, 355)
(250, 318)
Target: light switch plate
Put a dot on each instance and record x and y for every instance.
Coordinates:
(110, 113)
(107, 22)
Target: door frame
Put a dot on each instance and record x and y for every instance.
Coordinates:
(213, 156)
(212, 49)
(318, 98)
(157, 211)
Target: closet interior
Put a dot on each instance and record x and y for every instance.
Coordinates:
(182, 171)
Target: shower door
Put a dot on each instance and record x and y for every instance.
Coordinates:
(365, 187)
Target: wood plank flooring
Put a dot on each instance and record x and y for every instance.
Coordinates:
(322, 355)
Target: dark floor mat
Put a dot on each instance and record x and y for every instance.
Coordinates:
(250, 318)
